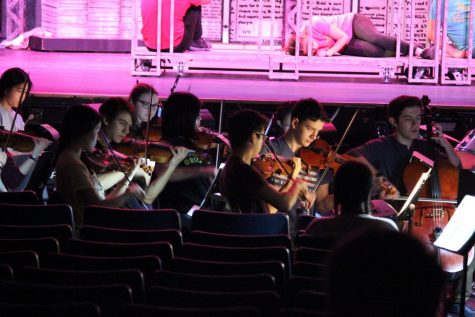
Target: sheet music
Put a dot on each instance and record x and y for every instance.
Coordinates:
(461, 226)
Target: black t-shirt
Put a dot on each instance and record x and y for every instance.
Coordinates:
(390, 157)
(239, 183)
(182, 195)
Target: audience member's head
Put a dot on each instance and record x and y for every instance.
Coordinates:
(384, 274)
(352, 185)
(242, 124)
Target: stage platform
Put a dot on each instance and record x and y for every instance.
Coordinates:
(98, 75)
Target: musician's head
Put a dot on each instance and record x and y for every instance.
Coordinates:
(246, 129)
(117, 118)
(383, 273)
(144, 96)
(404, 115)
(352, 185)
(181, 116)
(307, 119)
(12, 83)
(282, 117)
(80, 128)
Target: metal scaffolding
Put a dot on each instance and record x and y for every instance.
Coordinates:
(15, 18)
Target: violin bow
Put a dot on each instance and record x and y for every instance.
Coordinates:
(10, 132)
(343, 137)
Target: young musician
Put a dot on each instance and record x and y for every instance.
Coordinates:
(76, 183)
(15, 173)
(306, 120)
(390, 154)
(117, 121)
(245, 188)
(191, 180)
(146, 108)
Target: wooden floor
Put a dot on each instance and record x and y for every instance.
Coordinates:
(103, 74)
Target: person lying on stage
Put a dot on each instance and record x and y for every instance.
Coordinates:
(457, 28)
(13, 82)
(116, 123)
(347, 34)
(389, 155)
(187, 29)
(142, 97)
(191, 180)
(352, 186)
(245, 188)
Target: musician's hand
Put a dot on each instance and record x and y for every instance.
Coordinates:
(179, 154)
(310, 197)
(438, 135)
(297, 167)
(385, 189)
(40, 145)
(135, 167)
(3, 158)
(136, 190)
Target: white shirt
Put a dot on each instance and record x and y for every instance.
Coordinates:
(6, 119)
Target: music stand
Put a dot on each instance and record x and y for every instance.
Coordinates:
(458, 237)
(414, 195)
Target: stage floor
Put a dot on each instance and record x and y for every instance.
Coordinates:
(61, 74)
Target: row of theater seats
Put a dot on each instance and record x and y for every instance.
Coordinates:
(136, 263)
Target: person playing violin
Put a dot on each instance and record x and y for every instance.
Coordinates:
(191, 180)
(146, 108)
(306, 120)
(15, 173)
(116, 123)
(389, 155)
(78, 185)
(244, 187)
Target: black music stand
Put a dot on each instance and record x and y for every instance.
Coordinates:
(459, 237)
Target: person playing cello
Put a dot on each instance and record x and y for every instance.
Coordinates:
(388, 156)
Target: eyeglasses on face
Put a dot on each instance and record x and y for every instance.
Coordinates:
(264, 136)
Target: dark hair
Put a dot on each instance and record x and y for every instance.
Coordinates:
(351, 186)
(397, 105)
(309, 108)
(11, 78)
(290, 48)
(385, 274)
(112, 107)
(242, 124)
(140, 89)
(78, 120)
(179, 115)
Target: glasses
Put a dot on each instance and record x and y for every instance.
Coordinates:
(146, 104)
(263, 135)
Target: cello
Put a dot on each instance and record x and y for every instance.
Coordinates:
(437, 201)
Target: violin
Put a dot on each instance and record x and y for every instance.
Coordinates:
(208, 139)
(268, 165)
(101, 160)
(154, 131)
(18, 141)
(320, 154)
(157, 151)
